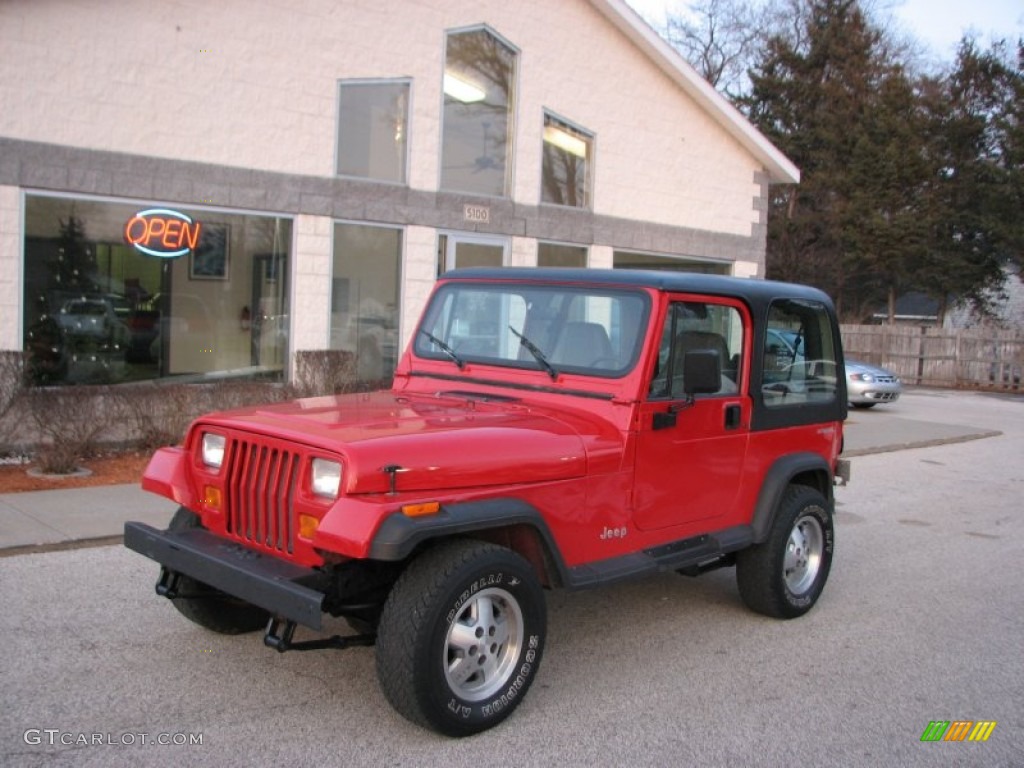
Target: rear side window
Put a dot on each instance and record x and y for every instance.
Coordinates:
(799, 355)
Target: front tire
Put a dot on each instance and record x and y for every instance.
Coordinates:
(783, 576)
(212, 609)
(461, 637)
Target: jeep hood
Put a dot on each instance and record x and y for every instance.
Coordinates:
(436, 442)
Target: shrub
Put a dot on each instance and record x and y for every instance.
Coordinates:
(324, 372)
(69, 421)
(12, 390)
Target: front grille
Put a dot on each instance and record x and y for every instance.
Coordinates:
(884, 397)
(886, 379)
(260, 494)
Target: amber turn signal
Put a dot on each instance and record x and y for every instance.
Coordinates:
(419, 510)
(307, 526)
(211, 496)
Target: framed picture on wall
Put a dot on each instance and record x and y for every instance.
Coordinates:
(210, 257)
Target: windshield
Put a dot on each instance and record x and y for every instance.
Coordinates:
(555, 329)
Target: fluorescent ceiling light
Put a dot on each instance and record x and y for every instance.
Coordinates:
(462, 91)
(571, 144)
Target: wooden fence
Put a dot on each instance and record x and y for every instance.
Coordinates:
(970, 359)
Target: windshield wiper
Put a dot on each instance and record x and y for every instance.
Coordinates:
(537, 354)
(452, 354)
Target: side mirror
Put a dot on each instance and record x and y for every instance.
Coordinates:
(702, 372)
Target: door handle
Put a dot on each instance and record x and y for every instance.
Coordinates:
(733, 412)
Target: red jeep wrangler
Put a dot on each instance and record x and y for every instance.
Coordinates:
(545, 428)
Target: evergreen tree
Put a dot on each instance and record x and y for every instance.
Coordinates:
(820, 96)
(75, 267)
(908, 184)
(975, 201)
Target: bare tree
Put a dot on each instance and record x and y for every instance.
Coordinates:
(720, 39)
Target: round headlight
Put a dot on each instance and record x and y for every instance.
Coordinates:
(213, 449)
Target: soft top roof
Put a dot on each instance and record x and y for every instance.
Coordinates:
(748, 289)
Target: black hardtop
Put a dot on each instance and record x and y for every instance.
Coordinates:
(754, 292)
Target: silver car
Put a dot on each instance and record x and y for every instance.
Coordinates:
(868, 385)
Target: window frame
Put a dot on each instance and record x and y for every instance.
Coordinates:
(739, 315)
(588, 177)
(439, 319)
(512, 113)
(401, 268)
(777, 394)
(406, 154)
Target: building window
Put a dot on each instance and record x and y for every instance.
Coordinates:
(373, 129)
(558, 255)
(565, 167)
(364, 298)
(628, 260)
(479, 82)
(118, 292)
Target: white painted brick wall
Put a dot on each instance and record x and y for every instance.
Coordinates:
(601, 257)
(10, 268)
(523, 252)
(419, 273)
(254, 85)
(311, 297)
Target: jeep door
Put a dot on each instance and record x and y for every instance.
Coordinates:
(691, 447)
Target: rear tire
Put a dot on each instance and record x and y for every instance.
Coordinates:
(783, 576)
(217, 612)
(461, 637)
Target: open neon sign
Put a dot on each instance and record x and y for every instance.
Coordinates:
(162, 232)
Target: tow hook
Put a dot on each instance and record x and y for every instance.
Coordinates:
(280, 632)
(167, 584)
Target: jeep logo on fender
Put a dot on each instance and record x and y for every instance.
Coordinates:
(162, 232)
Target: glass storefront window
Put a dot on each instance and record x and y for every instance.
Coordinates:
(120, 292)
(365, 289)
(373, 129)
(558, 255)
(565, 167)
(479, 80)
(628, 260)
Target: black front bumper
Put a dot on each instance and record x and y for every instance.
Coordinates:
(262, 580)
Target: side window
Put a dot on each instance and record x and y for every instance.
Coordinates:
(373, 129)
(691, 326)
(799, 355)
(566, 164)
(479, 104)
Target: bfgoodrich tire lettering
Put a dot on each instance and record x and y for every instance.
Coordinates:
(215, 610)
(461, 637)
(783, 576)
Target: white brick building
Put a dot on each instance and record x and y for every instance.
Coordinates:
(336, 156)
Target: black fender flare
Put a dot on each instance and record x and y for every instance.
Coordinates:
(399, 535)
(777, 479)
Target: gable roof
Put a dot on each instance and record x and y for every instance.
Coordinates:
(780, 168)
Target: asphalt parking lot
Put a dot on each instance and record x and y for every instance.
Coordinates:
(921, 621)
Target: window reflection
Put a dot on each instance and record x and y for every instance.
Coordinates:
(96, 310)
(373, 129)
(478, 101)
(558, 255)
(364, 298)
(565, 168)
